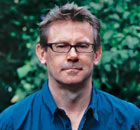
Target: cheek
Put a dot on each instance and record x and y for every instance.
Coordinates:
(88, 61)
(54, 62)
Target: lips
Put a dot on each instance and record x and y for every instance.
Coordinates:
(72, 71)
(72, 67)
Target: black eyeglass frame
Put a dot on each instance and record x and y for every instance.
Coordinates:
(75, 47)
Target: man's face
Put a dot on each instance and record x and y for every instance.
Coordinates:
(72, 67)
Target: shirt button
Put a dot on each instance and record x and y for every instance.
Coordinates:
(67, 126)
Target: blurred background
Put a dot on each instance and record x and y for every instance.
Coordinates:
(21, 72)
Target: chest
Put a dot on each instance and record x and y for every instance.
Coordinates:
(44, 121)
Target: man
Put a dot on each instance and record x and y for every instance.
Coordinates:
(70, 47)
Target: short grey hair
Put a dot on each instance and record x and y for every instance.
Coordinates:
(69, 11)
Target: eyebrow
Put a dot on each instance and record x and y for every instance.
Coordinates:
(80, 42)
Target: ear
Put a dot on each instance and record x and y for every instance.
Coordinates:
(40, 52)
(97, 55)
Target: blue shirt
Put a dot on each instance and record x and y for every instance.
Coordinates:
(39, 112)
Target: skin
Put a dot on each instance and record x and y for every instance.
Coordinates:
(70, 74)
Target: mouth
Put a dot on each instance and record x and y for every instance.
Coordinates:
(73, 68)
(73, 71)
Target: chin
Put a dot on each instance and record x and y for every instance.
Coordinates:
(72, 81)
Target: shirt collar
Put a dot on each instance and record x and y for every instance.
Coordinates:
(48, 99)
(93, 103)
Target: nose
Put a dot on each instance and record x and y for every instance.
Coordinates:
(72, 55)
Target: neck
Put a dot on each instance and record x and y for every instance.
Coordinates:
(72, 98)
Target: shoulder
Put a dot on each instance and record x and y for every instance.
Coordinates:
(12, 115)
(118, 107)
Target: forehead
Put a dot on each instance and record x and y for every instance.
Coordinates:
(70, 31)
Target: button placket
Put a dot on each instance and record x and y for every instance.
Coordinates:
(68, 126)
(65, 120)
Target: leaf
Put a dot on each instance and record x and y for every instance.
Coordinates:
(115, 17)
(126, 14)
(133, 64)
(13, 34)
(107, 67)
(96, 6)
(23, 71)
(18, 96)
(130, 41)
(27, 86)
(106, 57)
(107, 35)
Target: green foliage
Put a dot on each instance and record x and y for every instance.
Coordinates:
(20, 71)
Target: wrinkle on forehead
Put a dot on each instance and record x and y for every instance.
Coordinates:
(70, 31)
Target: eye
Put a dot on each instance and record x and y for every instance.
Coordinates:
(83, 45)
(61, 45)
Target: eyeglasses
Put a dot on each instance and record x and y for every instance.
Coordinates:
(65, 47)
